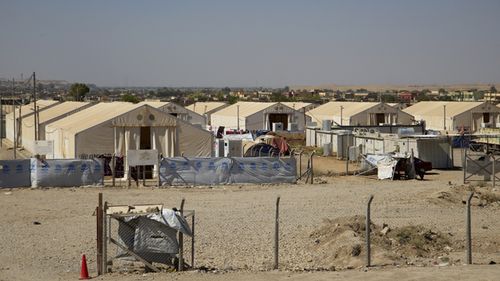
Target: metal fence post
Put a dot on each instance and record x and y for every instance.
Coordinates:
(468, 229)
(276, 233)
(347, 161)
(192, 240)
(159, 171)
(493, 170)
(113, 168)
(181, 241)
(300, 163)
(464, 164)
(99, 235)
(312, 167)
(368, 230)
(104, 239)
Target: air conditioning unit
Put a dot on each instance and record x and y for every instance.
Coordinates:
(293, 127)
(486, 125)
(277, 127)
(235, 148)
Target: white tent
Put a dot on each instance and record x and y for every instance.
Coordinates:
(116, 127)
(257, 116)
(25, 110)
(46, 116)
(300, 106)
(455, 115)
(178, 111)
(359, 113)
(207, 108)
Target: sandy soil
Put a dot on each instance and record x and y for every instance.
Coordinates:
(235, 227)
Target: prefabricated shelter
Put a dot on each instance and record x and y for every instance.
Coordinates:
(455, 115)
(108, 128)
(45, 117)
(338, 141)
(207, 108)
(359, 113)
(178, 111)
(25, 110)
(257, 116)
(434, 149)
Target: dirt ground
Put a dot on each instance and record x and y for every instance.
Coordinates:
(45, 231)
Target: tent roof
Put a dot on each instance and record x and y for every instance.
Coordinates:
(349, 108)
(245, 108)
(435, 108)
(168, 106)
(204, 107)
(297, 105)
(28, 108)
(92, 116)
(55, 111)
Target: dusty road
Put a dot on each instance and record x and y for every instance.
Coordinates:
(234, 229)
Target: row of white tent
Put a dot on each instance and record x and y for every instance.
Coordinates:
(78, 128)
(81, 128)
(450, 116)
(438, 115)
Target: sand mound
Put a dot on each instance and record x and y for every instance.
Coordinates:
(483, 196)
(340, 244)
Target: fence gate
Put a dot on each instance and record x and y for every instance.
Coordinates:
(142, 237)
(480, 164)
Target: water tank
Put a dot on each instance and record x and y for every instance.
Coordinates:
(326, 125)
(327, 149)
(277, 127)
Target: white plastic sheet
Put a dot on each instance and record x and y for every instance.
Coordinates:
(385, 165)
(15, 173)
(208, 171)
(66, 172)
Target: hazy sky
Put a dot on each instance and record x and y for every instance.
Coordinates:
(251, 43)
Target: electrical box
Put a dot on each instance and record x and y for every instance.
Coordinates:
(277, 127)
(235, 148)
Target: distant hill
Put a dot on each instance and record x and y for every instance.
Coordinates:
(386, 87)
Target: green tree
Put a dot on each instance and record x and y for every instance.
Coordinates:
(278, 97)
(232, 99)
(78, 91)
(422, 97)
(130, 98)
(388, 98)
(493, 89)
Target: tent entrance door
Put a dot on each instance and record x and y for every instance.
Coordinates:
(145, 143)
(380, 118)
(278, 118)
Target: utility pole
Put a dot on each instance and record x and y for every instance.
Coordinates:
(34, 105)
(341, 111)
(37, 112)
(444, 117)
(14, 112)
(238, 116)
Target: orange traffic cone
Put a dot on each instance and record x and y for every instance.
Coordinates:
(84, 273)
